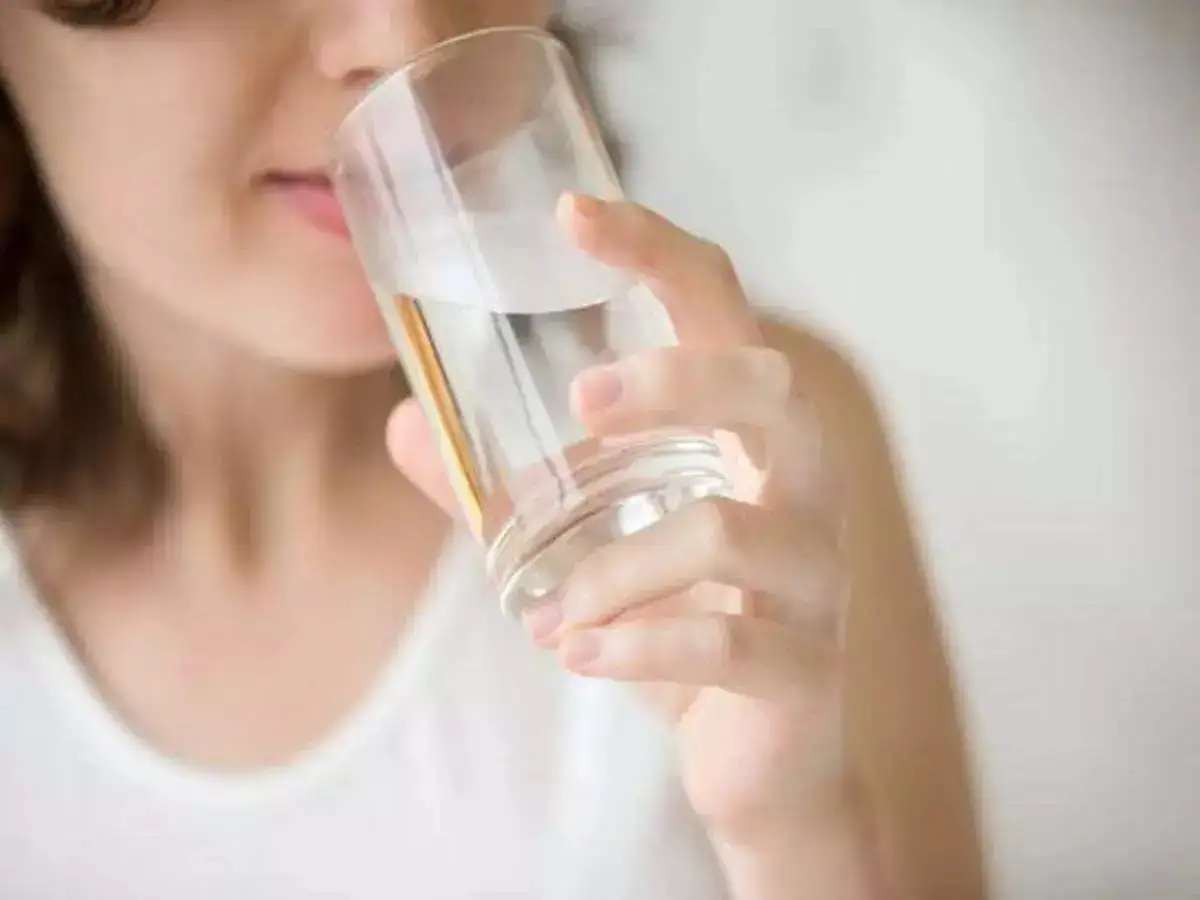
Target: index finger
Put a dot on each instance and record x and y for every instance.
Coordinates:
(694, 278)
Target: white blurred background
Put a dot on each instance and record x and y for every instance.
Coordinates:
(995, 204)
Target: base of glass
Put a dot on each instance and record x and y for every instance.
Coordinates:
(620, 494)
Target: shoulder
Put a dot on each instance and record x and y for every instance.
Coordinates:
(12, 582)
(21, 626)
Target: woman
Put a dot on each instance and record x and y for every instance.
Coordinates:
(244, 657)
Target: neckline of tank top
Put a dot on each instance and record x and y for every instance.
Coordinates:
(400, 677)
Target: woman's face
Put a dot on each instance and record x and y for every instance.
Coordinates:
(186, 156)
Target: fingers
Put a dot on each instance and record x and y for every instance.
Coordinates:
(693, 278)
(788, 561)
(720, 387)
(411, 445)
(754, 657)
(746, 389)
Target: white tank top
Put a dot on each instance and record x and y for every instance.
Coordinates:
(474, 768)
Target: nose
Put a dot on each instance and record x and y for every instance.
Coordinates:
(357, 41)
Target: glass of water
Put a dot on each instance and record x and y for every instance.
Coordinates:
(449, 173)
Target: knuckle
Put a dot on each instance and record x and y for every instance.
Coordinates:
(722, 526)
(829, 589)
(719, 262)
(647, 255)
(660, 378)
(588, 585)
(719, 641)
(771, 369)
(807, 454)
(647, 244)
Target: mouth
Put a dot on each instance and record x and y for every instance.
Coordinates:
(309, 193)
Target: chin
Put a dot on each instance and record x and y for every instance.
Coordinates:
(324, 325)
(338, 350)
(322, 356)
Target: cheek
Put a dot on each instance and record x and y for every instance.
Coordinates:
(169, 234)
(128, 164)
(152, 179)
(135, 207)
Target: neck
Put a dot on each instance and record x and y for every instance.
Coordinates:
(257, 453)
(236, 426)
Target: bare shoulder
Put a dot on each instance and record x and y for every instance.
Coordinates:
(904, 724)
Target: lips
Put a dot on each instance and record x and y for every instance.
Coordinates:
(309, 193)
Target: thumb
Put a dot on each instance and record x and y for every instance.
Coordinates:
(412, 447)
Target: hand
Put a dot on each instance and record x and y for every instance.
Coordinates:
(728, 613)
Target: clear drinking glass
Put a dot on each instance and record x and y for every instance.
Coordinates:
(449, 173)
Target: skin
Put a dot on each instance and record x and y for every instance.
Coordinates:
(819, 738)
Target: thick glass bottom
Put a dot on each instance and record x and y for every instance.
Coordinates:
(617, 494)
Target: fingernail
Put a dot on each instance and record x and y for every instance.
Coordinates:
(587, 206)
(543, 620)
(580, 650)
(598, 389)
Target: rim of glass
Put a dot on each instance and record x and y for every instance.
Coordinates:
(380, 86)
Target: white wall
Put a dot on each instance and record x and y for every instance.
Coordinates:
(996, 205)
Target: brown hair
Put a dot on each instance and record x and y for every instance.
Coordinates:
(70, 435)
